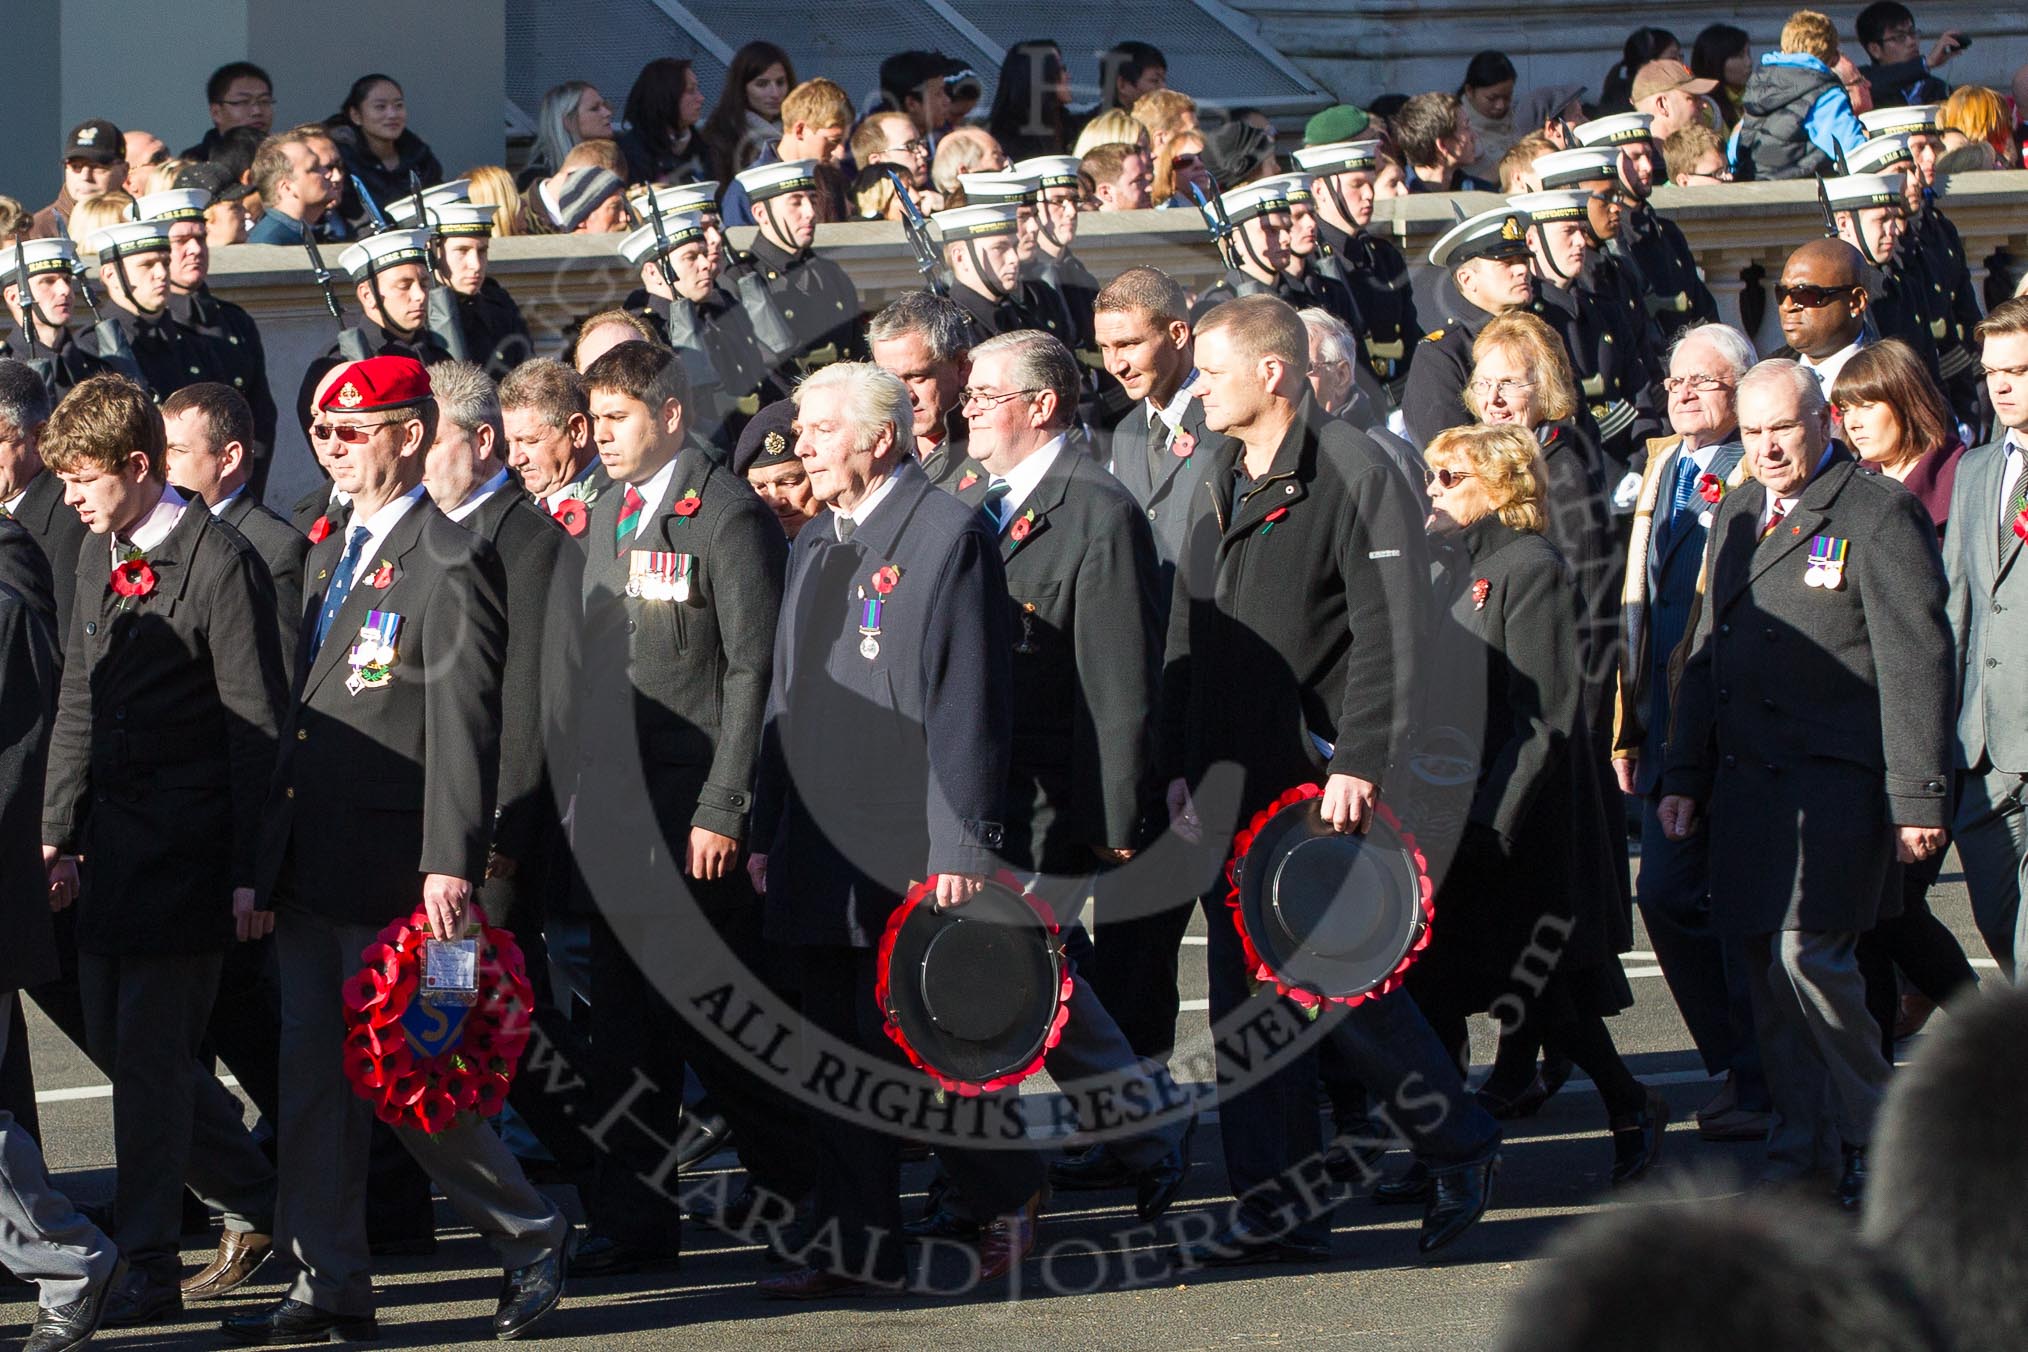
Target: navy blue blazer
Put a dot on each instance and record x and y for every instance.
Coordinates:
(884, 756)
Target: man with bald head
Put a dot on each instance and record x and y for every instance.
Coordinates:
(1821, 301)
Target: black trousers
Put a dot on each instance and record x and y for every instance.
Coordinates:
(1134, 964)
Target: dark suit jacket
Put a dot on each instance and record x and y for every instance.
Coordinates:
(374, 790)
(165, 739)
(1304, 626)
(25, 570)
(541, 572)
(1813, 720)
(594, 482)
(681, 687)
(1161, 481)
(317, 503)
(29, 673)
(1087, 626)
(879, 771)
(58, 530)
(282, 548)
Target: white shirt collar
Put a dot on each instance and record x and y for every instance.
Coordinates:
(1827, 370)
(1023, 478)
(154, 528)
(218, 508)
(381, 524)
(477, 498)
(1179, 404)
(652, 493)
(13, 504)
(874, 497)
(555, 500)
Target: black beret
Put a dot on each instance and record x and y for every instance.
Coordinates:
(768, 440)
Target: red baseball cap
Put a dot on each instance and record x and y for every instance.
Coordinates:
(376, 383)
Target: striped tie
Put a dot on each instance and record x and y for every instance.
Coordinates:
(2017, 502)
(1774, 518)
(630, 515)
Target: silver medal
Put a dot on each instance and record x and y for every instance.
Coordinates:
(869, 647)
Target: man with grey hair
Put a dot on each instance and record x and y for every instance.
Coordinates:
(923, 339)
(842, 825)
(1686, 474)
(1813, 729)
(547, 418)
(1343, 387)
(30, 493)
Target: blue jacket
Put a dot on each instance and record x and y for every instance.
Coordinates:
(735, 208)
(1830, 126)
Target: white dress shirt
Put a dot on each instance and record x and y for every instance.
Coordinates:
(378, 527)
(152, 529)
(477, 498)
(652, 493)
(857, 516)
(2010, 465)
(1826, 371)
(1022, 480)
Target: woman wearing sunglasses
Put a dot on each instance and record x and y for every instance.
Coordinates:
(1529, 917)
(1178, 164)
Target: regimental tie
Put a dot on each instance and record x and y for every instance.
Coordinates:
(631, 507)
(1774, 518)
(341, 583)
(989, 506)
(2017, 502)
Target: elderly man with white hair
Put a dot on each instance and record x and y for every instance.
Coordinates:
(1687, 473)
(884, 759)
(1343, 386)
(1812, 739)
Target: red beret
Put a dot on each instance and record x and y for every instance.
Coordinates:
(377, 383)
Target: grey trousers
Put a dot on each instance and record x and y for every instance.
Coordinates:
(320, 1219)
(1820, 1045)
(145, 1018)
(42, 1237)
(1991, 833)
(1094, 1048)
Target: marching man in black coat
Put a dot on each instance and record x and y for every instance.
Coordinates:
(679, 598)
(1299, 599)
(383, 799)
(29, 492)
(885, 760)
(1813, 725)
(173, 690)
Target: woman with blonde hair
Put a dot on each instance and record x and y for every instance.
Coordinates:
(1112, 125)
(493, 186)
(1178, 164)
(90, 217)
(1533, 864)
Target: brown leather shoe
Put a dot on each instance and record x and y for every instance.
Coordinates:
(808, 1283)
(1008, 1240)
(240, 1253)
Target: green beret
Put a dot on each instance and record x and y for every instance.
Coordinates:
(1340, 122)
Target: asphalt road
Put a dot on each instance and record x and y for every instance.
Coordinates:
(1099, 1280)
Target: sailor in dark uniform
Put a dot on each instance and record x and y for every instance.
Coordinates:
(1314, 277)
(136, 335)
(1650, 246)
(726, 366)
(234, 337)
(1871, 216)
(37, 275)
(473, 315)
(1482, 266)
(1056, 210)
(1036, 299)
(1342, 191)
(1612, 341)
(391, 278)
(814, 294)
(982, 252)
(1254, 222)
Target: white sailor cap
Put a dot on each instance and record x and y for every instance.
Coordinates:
(1916, 119)
(982, 221)
(1561, 168)
(388, 249)
(405, 209)
(1855, 192)
(1499, 233)
(38, 256)
(1560, 205)
(128, 238)
(1617, 130)
(698, 197)
(985, 188)
(1249, 200)
(1294, 187)
(172, 204)
(678, 228)
(1878, 153)
(774, 180)
(1050, 171)
(1338, 157)
(464, 220)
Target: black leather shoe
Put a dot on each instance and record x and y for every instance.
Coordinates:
(1458, 1197)
(1410, 1186)
(1637, 1144)
(1240, 1243)
(941, 1221)
(142, 1300)
(1156, 1187)
(60, 1328)
(293, 1323)
(704, 1135)
(528, 1293)
(1096, 1169)
(603, 1256)
(1852, 1179)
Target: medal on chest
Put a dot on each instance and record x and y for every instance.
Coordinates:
(373, 653)
(1827, 563)
(872, 600)
(658, 576)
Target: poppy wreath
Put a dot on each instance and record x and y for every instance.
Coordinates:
(926, 890)
(1257, 967)
(387, 1056)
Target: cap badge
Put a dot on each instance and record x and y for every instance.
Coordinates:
(87, 136)
(349, 396)
(774, 443)
(1510, 228)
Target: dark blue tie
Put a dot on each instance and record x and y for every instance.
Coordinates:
(1686, 488)
(341, 583)
(989, 507)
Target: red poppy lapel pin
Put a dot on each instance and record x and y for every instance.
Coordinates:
(967, 481)
(688, 504)
(133, 578)
(1022, 527)
(320, 528)
(1481, 589)
(572, 516)
(383, 576)
(1269, 523)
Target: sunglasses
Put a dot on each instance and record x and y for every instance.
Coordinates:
(354, 434)
(1446, 478)
(1811, 297)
